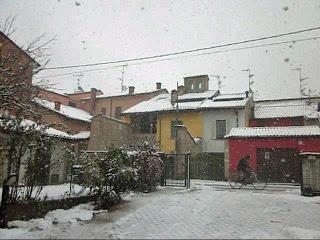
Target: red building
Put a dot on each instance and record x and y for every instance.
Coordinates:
(286, 112)
(272, 149)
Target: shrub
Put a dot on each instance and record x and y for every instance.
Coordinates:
(108, 174)
(149, 167)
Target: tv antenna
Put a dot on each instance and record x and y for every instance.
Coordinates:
(250, 75)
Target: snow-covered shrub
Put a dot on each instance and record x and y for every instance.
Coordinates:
(108, 174)
(149, 164)
(31, 141)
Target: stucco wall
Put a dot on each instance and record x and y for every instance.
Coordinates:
(191, 120)
(59, 162)
(210, 143)
(238, 147)
(186, 143)
(107, 133)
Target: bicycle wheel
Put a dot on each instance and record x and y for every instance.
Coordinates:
(234, 180)
(259, 182)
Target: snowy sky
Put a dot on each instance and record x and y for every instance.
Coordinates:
(107, 30)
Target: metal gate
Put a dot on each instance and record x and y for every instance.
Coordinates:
(177, 170)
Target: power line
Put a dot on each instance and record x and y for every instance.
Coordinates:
(181, 57)
(183, 52)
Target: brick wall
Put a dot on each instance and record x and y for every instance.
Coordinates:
(54, 97)
(59, 121)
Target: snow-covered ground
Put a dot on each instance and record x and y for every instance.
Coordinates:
(204, 211)
(60, 191)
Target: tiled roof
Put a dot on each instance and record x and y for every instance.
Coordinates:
(49, 130)
(68, 111)
(287, 108)
(190, 101)
(292, 131)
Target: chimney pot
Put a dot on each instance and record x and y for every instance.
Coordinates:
(131, 89)
(158, 85)
(57, 105)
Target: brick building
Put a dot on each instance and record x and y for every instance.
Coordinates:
(79, 95)
(113, 106)
(56, 97)
(63, 117)
(16, 70)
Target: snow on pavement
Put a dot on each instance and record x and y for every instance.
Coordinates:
(201, 212)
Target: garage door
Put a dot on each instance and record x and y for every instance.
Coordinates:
(279, 164)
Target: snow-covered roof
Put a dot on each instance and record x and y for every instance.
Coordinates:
(127, 94)
(197, 101)
(292, 131)
(52, 131)
(234, 100)
(202, 95)
(68, 111)
(287, 108)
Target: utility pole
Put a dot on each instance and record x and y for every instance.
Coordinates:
(250, 75)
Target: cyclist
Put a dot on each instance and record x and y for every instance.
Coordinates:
(244, 168)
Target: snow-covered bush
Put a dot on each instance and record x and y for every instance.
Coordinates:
(150, 166)
(111, 173)
(108, 174)
(30, 141)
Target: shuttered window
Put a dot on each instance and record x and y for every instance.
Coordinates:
(220, 129)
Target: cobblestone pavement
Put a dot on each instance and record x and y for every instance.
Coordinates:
(204, 212)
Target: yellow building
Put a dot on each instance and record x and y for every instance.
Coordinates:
(157, 116)
(192, 120)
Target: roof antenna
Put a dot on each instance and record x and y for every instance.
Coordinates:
(79, 89)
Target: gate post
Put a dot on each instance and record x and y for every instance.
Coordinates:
(188, 171)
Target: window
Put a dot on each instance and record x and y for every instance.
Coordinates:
(117, 113)
(200, 85)
(173, 127)
(103, 111)
(192, 86)
(220, 129)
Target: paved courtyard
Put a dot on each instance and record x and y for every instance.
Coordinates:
(204, 211)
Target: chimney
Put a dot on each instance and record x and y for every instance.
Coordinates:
(93, 96)
(131, 89)
(57, 105)
(158, 84)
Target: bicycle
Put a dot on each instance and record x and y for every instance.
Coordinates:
(235, 181)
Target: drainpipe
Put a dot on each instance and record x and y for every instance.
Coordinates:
(110, 107)
(158, 116)
(237, 114)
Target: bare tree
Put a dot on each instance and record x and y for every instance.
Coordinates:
(17, 66)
